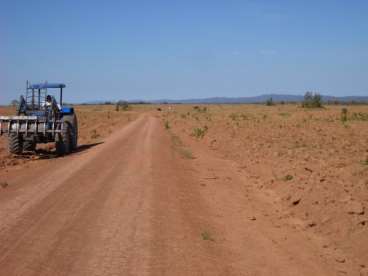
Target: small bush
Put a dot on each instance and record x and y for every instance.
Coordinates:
(312, 100)
(186, 153)
(270, 102)
(167, 125)
(95, 134)
(365, 162)
(199, 109)
(360, 116)
(344, 115)
(206, 236)
(199, 132)
(123, 105)
(233, 116)
(288, 177)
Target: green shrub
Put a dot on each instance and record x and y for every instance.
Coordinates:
(206, 236)
(199, 132)
(199, 109)
(233, 116)
(360, 116)
(288, 177)
(344, 115)
(365, 162)
(270, 102)
(312, 100)
(123, 105)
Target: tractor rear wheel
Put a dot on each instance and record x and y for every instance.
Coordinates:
(15, 143)
(64, 142)
(73, 122)
(29, 146)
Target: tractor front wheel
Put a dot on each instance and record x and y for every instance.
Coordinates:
(15, 144)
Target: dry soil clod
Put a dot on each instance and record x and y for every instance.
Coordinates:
(4, 184)
(355, 207)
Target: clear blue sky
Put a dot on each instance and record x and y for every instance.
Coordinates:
(182, 49)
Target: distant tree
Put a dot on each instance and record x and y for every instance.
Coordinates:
(270, 102)
(14, 103)
(312, 100)
(123, 105)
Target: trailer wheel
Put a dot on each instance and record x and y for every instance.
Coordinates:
(64, 142)
(15, 144)
(29, 146)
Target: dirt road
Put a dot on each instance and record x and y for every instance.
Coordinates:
(134, 206)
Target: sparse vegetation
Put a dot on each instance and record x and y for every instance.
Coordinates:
(236, 116)
(186, 153)
(365, 162)
(344, 115)
(206, 236)
(179, 147)
(14, 103)
(359, 116)
(284, 114)
(122, 105)
(312, 100)
(199, 132)
(288, 177)
(94, 134)
(270, 102)
(167, 124)
(233, 116)
(200, 109)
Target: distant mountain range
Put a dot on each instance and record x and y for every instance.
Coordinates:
(242, 100)
(262, 99)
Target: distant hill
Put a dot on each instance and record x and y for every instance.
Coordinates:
(242, 100)
(262, 99)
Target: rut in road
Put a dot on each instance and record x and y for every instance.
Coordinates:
(132, 206)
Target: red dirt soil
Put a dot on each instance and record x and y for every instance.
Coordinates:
(156, 201)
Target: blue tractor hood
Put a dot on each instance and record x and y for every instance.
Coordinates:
(67, 110)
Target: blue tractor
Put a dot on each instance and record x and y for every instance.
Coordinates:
(41, 119)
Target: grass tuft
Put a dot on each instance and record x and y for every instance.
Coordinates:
(199, 132)
(344, 115)
(288, 177)
(206, 236)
